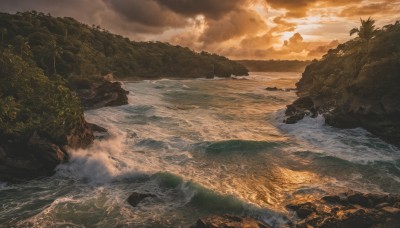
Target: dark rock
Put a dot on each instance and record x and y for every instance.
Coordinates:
(351, 209)
(102, 94)
(299, 109)
(360, 199)
(273, 89)
(331, 199)
(39, 154)
(135, 198)
(229, 221)
(303, 210)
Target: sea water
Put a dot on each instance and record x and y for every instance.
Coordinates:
(202, 147)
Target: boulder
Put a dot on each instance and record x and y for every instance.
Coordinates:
(102, 94)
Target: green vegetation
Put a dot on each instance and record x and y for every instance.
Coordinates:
(30, 101)
(358, 86)
(69, 48)
(366, 31)
(274, 65)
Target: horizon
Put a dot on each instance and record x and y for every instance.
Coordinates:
(240, 30)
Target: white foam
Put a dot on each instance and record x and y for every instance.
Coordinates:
(354, 145)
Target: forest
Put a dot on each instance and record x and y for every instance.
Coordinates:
(67, 47)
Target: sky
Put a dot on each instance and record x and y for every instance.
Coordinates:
(238, 29)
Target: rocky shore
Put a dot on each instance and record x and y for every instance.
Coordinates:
(355, 86)
(101, 94)
(346, 210)
(350, 209)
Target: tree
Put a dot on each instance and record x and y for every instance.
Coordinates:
(366, 31)
(3, 32)
(55, 52)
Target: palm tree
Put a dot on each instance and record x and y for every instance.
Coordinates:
(55, 52)
(366, 31)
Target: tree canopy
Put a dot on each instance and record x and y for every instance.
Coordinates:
(90, 50)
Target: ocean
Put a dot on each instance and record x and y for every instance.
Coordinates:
(202, 147)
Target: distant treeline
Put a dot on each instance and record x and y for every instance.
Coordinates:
(67, 47)
(274, 65)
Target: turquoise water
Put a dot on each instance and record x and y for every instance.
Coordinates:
(203, 147)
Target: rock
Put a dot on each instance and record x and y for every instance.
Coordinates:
(103, 94)
(300, 108)
(355, 89)
(360, 199)
(39, 154)
(350, 209)
(135, 198)
(331, 199)
(272, 89)
(229, 221)
(303, 210)
(279, 89)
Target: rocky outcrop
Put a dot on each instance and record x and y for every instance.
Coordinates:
(100, 94)
(39, 154)
(351, 209)
(279, 89)
(355, 86)
(229, 221)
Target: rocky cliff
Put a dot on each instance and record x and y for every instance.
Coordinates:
(355, 85)
(40, 117)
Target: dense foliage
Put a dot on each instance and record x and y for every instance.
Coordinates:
(67, 47)
(357, 63)
(30, 101)
(274, 65)
(357, 84)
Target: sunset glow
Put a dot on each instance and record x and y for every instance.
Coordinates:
(239, 29)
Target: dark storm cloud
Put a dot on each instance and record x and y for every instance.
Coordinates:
(146, 12)
(209, 8)
(300, 8)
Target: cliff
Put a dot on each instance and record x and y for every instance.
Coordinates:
(355, 85)
(40, 118)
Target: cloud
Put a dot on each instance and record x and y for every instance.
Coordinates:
(146, 12)
(209, 8)
(367, 10)
(282, 25)
(323, 49)
(234, 25)
(235, 28)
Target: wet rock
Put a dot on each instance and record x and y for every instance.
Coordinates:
(38, 154)
(331, 199)
(135, 198)
(102, 94)
(273, 89)
(279, 89)
(350, 209)
(303, 210)
(299, 109)
(229, 221)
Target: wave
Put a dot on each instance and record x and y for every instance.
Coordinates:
(355, 145)
(208, 202)
(237, 146)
